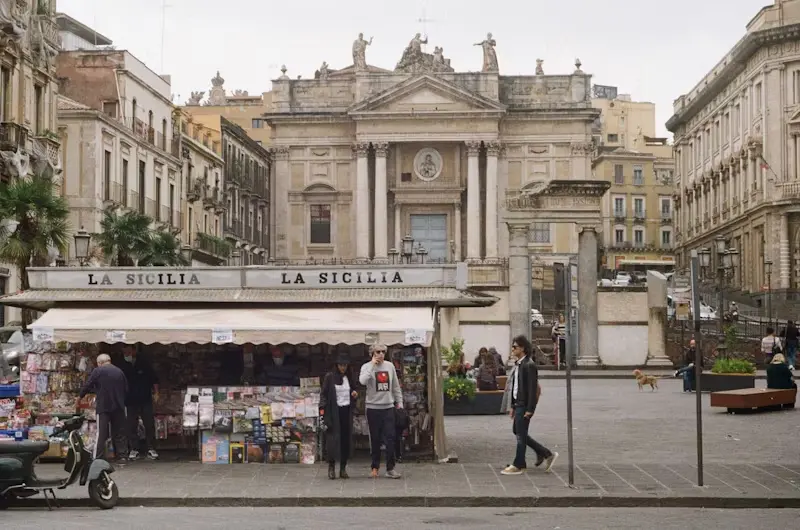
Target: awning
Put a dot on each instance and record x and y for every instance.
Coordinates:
(394, 325)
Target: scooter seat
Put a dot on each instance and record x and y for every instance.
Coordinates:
(25, 446)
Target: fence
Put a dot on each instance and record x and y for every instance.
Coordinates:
(740, 339)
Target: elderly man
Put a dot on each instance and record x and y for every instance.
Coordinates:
(109, 385)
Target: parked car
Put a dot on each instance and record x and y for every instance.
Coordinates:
(537, 319)
(11, 353)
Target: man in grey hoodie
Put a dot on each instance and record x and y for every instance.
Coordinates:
(384, 394)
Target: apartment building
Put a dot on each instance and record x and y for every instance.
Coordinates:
(738, 158)
(204, 209)
(122, 143)
(29, 137)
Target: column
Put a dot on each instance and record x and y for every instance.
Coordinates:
(492, 151)
(588, 354)
(785, 263)
(398, 235)
(281, 207)
(362, 201)
(751, 175)
(519, 279)
(381, 207)
(473, 202)
(457, 232)
(792, 158)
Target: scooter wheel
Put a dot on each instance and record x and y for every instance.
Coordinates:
(104, 492)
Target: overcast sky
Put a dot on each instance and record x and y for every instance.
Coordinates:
(651, 49)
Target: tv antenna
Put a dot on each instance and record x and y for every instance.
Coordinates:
(164, 7)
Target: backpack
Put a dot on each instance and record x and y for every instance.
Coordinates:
(776, 347)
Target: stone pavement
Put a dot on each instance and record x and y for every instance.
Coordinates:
(615, 374)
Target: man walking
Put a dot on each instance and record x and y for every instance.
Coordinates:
(109, 385)
(384, 394)
(142, 382)
(524, 398)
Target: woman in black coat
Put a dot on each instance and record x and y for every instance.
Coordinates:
(336, 406)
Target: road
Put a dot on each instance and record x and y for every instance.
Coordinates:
(395, 518)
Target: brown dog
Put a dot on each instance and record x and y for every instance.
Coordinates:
(643, 380)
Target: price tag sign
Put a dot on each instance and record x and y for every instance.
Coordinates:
(222, 336)
(116, 336)
(44, 334)
(415, 336)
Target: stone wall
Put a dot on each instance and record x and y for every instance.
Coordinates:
(622, 326)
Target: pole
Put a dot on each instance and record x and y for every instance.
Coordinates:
(568, 343)
(698, 358)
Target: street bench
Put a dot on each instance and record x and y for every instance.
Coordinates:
(754, 399)
(501, 382)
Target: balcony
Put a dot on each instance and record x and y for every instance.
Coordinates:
(50, 32)
(51, 146)
(666, 218)
(638, 181)
(639, 217)
(639, 244)
(194, 192)
(216, 249)
(116, 194)
(667, 245)
(13, 136)
(150, 209)
(233, 228)
(212, 198)
(133, 201)
(788, 190)
(620, 216)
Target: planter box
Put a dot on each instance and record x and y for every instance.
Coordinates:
(484, 404)
(710, 382)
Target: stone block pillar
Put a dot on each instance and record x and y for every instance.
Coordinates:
(473, 202)
(492, 151)
(362, 201)
(457, 232)
(280, 156)
(519, 276)
(381, 206)
(588, 354)
(657, 320)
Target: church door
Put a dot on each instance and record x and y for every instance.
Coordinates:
(430, 231)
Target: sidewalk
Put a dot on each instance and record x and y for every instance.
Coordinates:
(161, 484)
(597, 373)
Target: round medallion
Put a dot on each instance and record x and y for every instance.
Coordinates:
(428, 164)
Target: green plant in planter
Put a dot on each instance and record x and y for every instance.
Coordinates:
(731, 340)
(733, 366)
(452, 354)
(457, 388)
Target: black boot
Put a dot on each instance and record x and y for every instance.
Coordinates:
(332, 470)
(343, 472)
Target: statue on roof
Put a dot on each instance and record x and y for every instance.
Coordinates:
(195, 99)
(489, 55)
(414, 60)
(360, 52)
(217, 96)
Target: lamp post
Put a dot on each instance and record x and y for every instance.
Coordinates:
(768, 271)
(186, 253)
(82, 239)
(408, 248)
(704, 257)
(727, 260)
(393, 252)
(421, 253)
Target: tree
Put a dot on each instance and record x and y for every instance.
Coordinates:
(164, 251)
(124, 237)
(36, 221)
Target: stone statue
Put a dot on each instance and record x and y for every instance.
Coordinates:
(414, 49)
(438, 55)
(415, 61)
(322, 73)
(539, 69)
(195, 99)
(217, 96)
(428, 167)
(489, 55)
(360, 52)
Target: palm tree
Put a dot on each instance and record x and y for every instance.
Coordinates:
(164, 251)
(124, 237)
(36, 221)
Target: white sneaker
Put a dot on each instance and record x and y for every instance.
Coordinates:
(133, 455)
(152, 455)
(511, 470)
(791, 368)
(548, 462)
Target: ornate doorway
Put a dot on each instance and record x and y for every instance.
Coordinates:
(430, 231)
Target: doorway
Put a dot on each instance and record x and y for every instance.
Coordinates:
(430, 231)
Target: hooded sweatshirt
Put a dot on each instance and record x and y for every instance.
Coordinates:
(383, 387)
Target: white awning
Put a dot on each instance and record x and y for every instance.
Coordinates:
(394, 325)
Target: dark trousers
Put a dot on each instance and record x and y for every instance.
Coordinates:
(520, 429)
(145, 411)
(110, 424)
(381, 425)
(345, 435)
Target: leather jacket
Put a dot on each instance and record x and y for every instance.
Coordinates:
(528, 385)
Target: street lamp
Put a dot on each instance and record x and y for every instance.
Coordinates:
(393, 252)
(82, 240)
(408, 248)
(186, 253)
(421, 252)
(705, 260)
(768, 271)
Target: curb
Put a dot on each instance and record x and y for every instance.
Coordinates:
(584, 375)
(438, 502)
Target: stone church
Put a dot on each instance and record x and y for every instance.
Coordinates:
(364, 157)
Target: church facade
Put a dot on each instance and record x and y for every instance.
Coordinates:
(365, 157)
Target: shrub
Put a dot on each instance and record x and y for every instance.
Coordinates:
(456, 388)
(733, 366)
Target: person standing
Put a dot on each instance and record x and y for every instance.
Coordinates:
(336, 406)
(142, 382)
(791, 340)
(383, 396)
(109, 385)
(771, 345)
(524, 398)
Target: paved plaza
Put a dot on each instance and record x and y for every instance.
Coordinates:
(632, 449)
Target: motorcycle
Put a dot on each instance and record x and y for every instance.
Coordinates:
(18, 479)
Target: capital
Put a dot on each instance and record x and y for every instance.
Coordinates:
(493, 148)
(473, 148)
(381, 148)
(361, 149)
(280, 153)
(587, 228)
(518, 229)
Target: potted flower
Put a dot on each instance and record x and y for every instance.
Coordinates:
(729, 374)
(459, 392)
(453, 355)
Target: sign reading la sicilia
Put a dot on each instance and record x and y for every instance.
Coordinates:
(325, 278)
(147, 278)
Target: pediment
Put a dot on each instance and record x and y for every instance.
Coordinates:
(425, 94)
(319, 187)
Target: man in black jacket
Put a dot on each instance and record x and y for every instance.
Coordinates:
(109, 385)
(524, 381)
(142, 382)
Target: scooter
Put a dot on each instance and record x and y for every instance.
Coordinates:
(18, 479)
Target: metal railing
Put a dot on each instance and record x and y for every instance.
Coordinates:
(12, 136)
(212, 245)
(151, 209)
(116, 193)
(133, 200)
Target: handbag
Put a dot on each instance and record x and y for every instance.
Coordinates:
(776, 347)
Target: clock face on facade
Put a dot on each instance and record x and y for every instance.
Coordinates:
(428, 164)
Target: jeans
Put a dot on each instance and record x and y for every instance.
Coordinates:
(688, 377)
(520, 429)
(381, 425)
(791, 354)
(145, 411)
(110, 424)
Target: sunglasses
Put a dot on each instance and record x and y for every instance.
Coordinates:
(379, 351)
